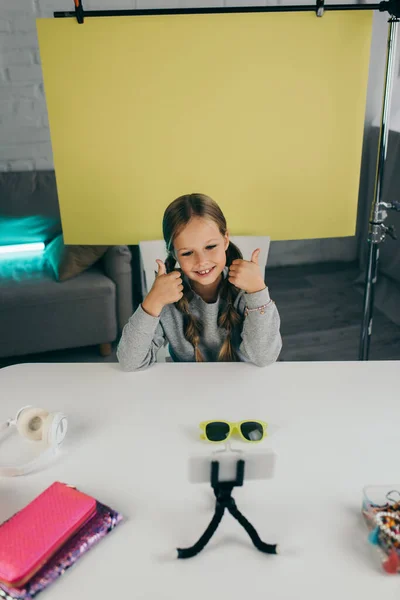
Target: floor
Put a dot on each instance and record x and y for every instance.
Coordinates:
(320, 311)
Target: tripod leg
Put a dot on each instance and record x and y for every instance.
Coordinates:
(255, 538)
(207, 535)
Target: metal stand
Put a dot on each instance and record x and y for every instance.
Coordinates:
(377, 229)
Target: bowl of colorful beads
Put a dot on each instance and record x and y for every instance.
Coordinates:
(381, 511)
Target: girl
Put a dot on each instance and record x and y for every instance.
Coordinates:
(216, 307)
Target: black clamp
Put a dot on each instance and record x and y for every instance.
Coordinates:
(79, 12)
(223, 493)
(392, 7)
(320, 10)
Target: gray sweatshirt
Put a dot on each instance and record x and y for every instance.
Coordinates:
(257, 340)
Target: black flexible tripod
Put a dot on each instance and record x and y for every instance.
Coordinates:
(223, 493)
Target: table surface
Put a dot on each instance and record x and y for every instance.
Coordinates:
(334, 427)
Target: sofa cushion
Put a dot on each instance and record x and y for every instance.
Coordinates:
(39, 286)
(38, 314)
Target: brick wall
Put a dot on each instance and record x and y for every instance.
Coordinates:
(24, 129)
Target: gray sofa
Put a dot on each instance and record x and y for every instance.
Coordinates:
(37, 312)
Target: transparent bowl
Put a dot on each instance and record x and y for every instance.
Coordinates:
(376, 499)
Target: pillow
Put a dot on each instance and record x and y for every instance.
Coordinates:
(70, 261)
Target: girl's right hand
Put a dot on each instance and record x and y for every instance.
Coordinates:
(166, 289)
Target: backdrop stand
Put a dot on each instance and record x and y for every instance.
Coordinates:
(377, 229)
(319, 8)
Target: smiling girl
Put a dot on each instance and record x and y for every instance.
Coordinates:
(214, 307)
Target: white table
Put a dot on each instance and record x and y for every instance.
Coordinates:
(334, 426)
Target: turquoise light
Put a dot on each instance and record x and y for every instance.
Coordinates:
(17, 248)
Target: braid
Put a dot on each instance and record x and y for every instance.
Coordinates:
(229, 318)
(192, 326)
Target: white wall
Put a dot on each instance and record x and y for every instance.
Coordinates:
(24, 130)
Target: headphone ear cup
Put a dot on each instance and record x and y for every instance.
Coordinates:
(30, 423)
(21, 410)
(47, 430)
(54, 429)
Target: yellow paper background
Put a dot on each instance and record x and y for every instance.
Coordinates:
(264, 112)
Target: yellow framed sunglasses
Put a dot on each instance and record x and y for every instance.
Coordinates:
(219, 431)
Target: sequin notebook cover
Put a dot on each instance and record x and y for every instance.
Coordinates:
(99, 526)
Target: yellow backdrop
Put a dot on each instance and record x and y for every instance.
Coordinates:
(264, 112)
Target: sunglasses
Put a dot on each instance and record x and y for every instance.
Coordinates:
(220, 431)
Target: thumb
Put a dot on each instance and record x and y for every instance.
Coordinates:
(255, 255)
(161, 268)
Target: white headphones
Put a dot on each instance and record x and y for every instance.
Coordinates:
(38, 425)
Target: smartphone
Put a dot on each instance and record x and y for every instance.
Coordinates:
(258, 465)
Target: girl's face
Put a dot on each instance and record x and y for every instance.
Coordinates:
(200, 250)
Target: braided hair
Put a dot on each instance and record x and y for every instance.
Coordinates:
(176, 217)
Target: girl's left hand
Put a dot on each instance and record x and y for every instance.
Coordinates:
(246, 275)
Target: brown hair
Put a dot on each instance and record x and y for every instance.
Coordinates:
(176, 217)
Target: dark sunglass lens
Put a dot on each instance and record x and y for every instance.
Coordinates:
(217, 431)
(252, 431)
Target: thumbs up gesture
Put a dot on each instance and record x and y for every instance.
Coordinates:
(166, 289)
(246, 274)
